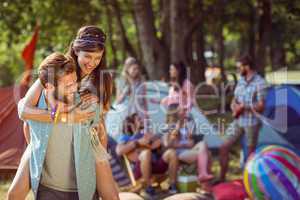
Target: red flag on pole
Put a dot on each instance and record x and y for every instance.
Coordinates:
(29, 50)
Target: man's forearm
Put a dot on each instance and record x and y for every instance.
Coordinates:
(32, 113)
(124, 149)
(257, 107)
(260, 106)
(173, 144)
(167, 141)
(41, 116)
(156, 144)
(189, 144)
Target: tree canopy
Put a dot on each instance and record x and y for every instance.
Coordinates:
(158, 32)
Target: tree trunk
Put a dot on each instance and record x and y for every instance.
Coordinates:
(139, 48)
(278, 58)
(201, 61)
(199, 66)
(220, 38)
(114, 63)
(195, 43)
(251, 31)
(131, 10)
(264, 35)
(154, 54)
(126, 44)
(178, 22)
(165, 24)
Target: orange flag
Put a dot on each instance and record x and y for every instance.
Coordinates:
(29, 50)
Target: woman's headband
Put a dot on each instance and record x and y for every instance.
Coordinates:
(92, 39)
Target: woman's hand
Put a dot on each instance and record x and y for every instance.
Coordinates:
(88, 99)
(101, 132)
(77, 116)
(64, 108)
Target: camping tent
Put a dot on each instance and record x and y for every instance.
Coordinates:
(157, 115)
(12, 141)
(281, 118)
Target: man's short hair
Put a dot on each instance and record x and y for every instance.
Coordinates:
(246, 59)
(54, 67)
(128, 124)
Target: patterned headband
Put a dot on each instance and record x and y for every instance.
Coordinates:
(92, 39)
(89, 41)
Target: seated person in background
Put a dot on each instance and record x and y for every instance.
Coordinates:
(181, 138)
(143, 150)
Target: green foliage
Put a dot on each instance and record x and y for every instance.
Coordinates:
(59, 21)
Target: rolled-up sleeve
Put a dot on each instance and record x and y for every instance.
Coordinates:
(261, 90)
(21, 107)
(123, 139)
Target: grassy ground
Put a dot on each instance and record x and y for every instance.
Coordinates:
(4, 184)
(234, 172)
(283, 77)
(234, 169)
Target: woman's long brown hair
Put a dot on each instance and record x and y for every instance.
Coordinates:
(91, 39)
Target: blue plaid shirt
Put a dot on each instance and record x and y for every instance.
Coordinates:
(249, 93)
(84, 157)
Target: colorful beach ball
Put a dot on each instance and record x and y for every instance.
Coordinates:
(273, 172)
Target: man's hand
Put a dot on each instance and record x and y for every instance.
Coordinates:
(240, 107)
(259, 107)
(156, 144)
(237, 109)
(144, 141)
(174, 134)
(188, 144)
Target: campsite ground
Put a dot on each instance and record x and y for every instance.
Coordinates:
(234, 172)
(4, 184)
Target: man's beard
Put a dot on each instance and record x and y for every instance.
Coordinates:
(70, 99)
(139, 127)
(243, 73)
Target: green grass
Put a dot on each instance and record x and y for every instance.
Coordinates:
(234, 169)
(280, 77)
(4, 185)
